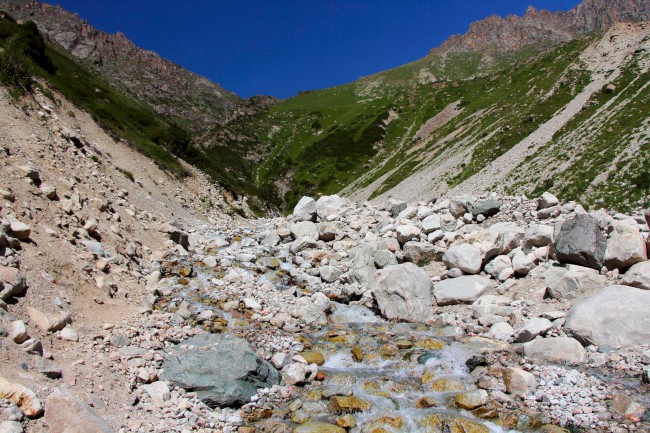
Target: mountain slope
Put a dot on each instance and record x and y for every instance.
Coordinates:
(453, 113)
(171, 90)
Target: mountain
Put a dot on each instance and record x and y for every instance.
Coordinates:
(192, 100)
(517, 104)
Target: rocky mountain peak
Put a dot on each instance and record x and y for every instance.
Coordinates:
(496, 34)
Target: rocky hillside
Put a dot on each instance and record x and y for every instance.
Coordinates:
(518, 104)
(171, 90)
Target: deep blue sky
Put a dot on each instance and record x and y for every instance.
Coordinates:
(280, 47)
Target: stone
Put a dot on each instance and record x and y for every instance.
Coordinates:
(472, 399)
(497, 265)
(580, 242)
(498, 239)
(302, 244)
(304, 229)
(329, 274)
(538, 235)
(547, 200)
(487, 208)
(465, 257)
(11, 427)
(329, 205)
(313, 357)
(68, 333)
(18, 332)
(501, 331)
(223, 370)
(327, 231)
(431, 224)
(442, 422)
(30, 171)
(625, 247)
(395, 207)
(519, 382)
(65, 413)
(627, 407)
(445, 384)
(48, 322)
(94, 247)
(271, 239)
(343, 404)
(407, 232)
(563, 350)
(305, 210)
(613, 316)
(462, 290)
(12, 283)
(22, 397)
(384, 258)
(532, 328)
(48, 191)
(522, 264)
(419, 252)
(572, 282)
(19, 230)
(158, 391)
(458, 206)
(362, 264)
(638, 276)
(318, 427)
(47, 368)
(403, 292)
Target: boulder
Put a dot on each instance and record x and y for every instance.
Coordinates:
(572, 282)
(329, 274)
(303, 243)
(362, 264)
(519, 382)
(304, 229)
(305, 210)
(465, 257)
(538, 235)
(12, 283)
(532, 328)
(419, 252)
(407, 232)
(395, 207)
(522, 264)
(500, 238)
(328, 206)
(462, 290)
(562, 350)
(318, 427)
(19, 230)
(497, 265)
(223, 370)
(614, 316)
(625, 247)
(501, 331)
(327, 231)
(431, 224)
(638, 276)
(11, 427)
(547, 200)
(49, 322)
(65, 413)
(158, 391)
(580, 242)
(486, 208)
(22, 397)
(384, 258)
(403, 292)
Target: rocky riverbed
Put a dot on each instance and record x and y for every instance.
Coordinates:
(474, 314)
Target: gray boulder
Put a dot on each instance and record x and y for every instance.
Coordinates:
(614, 316)
(625, 247)
(329, 274)
(420, 252)
(465, 257)
(538, 235)
(431, 223)
(223, 370)
(303, 229)
(362, 264)
(395, 207)
(573, 281)
(580, 242)
(403, 292)
(305, 210)
(547, 200)
(563, 350)
(461, 290)
(384, 258)
(486, 208)
(532, 328)
(407, 232)
(638, 276)
(12, 283)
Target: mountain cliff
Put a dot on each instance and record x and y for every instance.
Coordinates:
(171, 90)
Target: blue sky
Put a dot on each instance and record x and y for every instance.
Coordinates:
(280, 47)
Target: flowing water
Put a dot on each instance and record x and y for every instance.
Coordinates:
(390, 377)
